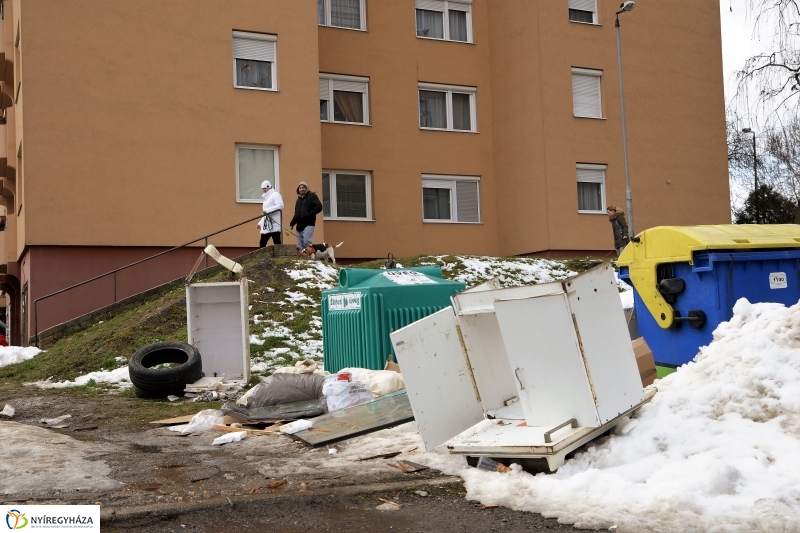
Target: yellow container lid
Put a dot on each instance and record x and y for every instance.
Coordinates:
(673, 244)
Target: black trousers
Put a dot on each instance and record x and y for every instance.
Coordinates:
(276, 238)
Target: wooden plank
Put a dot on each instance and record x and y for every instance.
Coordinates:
(173, 421)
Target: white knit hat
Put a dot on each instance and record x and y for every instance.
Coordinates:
(266, 184)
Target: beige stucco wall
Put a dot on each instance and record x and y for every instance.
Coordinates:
(394, 148)
(133, 118)
(675, 118)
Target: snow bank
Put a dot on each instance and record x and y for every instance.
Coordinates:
(718, 448)
(118, 376)
(10, 355)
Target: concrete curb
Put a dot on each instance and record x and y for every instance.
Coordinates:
(161, 510)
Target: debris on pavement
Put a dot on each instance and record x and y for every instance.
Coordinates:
(201, 422)
(8, 411)
(294, 427)
(390, 502)
(56, 423)
(276, 484)
(381, 456)
(332, 451)
(420, 493)
(490, 506)
(230, 437)
(212, 384)
(408, 467)
(283, 388)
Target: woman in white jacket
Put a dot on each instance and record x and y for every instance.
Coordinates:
(270, 223)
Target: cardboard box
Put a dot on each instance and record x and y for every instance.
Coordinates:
(645, 361)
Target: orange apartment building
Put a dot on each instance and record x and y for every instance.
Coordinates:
(471, 126)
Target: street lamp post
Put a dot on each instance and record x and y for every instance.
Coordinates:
(755, 173)
(625, 6)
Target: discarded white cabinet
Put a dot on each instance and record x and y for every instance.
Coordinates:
(532, 371)
(218, 326)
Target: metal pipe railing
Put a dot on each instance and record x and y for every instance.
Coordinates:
(114, 273)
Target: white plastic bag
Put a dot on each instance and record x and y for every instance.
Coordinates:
(341, 394)
(203, 421)
(380, 382)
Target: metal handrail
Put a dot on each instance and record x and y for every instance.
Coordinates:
(114, 272)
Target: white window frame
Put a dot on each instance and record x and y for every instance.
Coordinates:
(576, 71)
(601, 181)
(438, 181)
(444, 7)
(276, 161)
(362, 10)
(585, 5)
(449, 90)
(258, 37)
(331, 78)
(333, 215)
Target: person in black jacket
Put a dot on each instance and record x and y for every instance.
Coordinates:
(305, 215)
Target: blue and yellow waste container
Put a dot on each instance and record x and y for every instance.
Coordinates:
(688, 278)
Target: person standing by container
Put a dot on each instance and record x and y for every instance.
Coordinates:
(270, 223)
(305, 215)
(619, 226)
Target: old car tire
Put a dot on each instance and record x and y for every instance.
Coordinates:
(161, 382)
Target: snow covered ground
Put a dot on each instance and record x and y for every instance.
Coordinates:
(10, 355)
(716, 450)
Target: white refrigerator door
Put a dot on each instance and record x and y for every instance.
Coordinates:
(611, 363)
(546, 361)
(438, 381)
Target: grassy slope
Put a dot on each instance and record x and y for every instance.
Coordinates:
(287, 310)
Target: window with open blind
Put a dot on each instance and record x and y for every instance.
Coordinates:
(583, 11)
(343, 99)
(348, 14)
(444, 19)
(591, 188)
(254, 60)
(450, 199)
(586, 93)
(346, 195)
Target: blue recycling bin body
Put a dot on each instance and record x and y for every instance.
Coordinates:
(765, 269)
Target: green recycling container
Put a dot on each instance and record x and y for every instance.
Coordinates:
(359, 315)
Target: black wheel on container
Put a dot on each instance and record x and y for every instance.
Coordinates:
(161, 382)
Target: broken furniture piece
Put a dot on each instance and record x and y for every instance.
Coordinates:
(522, 372)
(218, 326)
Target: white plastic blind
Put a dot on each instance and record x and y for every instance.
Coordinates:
(324, 89)
(453, 6)
(586, 96)
(591, 175)
(253, 49)
(583, 5)
(430, 5)
(467, 201)
(350, 86)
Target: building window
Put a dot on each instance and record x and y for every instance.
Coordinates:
(583, 11)
(346, 195)
(254, 164)
(586, 93)
(349, 14)
(343, 99)
(445, 107)
(254, 61)
(591, 188)
(450, 199)
(444, 19)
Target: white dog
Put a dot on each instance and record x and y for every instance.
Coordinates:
(322, 252)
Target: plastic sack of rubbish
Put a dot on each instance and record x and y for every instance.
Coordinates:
(340, 393)
(283, 388)
(202, 421)
(235, 436)
(380, 382)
